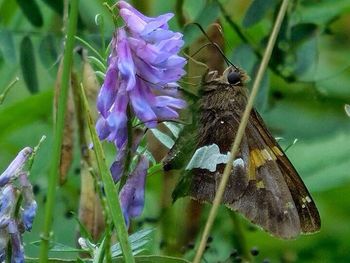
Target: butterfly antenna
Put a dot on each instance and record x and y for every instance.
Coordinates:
(228, 62)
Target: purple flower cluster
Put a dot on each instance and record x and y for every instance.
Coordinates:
(142, 65)
(140, 81)
(10, 225)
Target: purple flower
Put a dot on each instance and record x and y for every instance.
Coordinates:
(7, 205)
(142, 68)
(132, 195)
(15, 166)
(29, 204)
(16, 242)
(118, 165)
(9, 222)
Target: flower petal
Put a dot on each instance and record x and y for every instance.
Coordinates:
(108, 91)
(132, 195)
(141, 99)
(16, 243)
(7, 204)
(15, 166)
(125, 61)
(102, 128)
(29, 204)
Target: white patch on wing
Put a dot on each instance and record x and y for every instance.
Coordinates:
(208, 157)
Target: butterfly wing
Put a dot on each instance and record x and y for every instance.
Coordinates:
(308, 214)
(256, 187)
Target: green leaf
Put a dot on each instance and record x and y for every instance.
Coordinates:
(163, 138)
(28, 65)
(7, 46)
(55, 5)
(321, 13)
(137, 241)
(48, 51)
(16, 115)
(306, 57)
(302, 32)
(244, 57)
(329, 166)
(58, 247)
(263, 93)
(54, 260)
(31, 11)
(206, 16)
(257, 10)
(155, 259)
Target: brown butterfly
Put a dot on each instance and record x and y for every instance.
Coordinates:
(263, 186)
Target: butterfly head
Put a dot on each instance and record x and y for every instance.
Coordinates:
(234, 76)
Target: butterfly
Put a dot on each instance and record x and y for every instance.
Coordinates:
(263, 185)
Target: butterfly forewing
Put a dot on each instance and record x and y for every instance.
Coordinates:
(309, 217)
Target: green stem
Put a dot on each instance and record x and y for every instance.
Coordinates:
(240, 132)
(128, 151)
(180, 16)
(7, 89)
(58, 131)
(110, 188)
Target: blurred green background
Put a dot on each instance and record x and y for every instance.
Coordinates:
(302, 97)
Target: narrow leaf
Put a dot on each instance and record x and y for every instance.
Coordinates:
(19, 112)
(155, 259)
(137, 241)
(7, 46)
(257, 10)
(31, 11)
(28, 65)
(109, 186)
(48, 51)
(208, 15)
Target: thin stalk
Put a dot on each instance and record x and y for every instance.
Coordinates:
(180, 16)
(240, 132)
(109, 187)
(7, 89)
(128, 151)
(58, 131)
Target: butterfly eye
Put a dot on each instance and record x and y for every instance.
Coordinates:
(233, 77)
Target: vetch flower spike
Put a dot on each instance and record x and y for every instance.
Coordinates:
(142, 72)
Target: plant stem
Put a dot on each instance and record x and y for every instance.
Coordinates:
(58, 131)
(109, 186)
(240, 132)
(129, 147)
(7, 89)
(180, 16)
